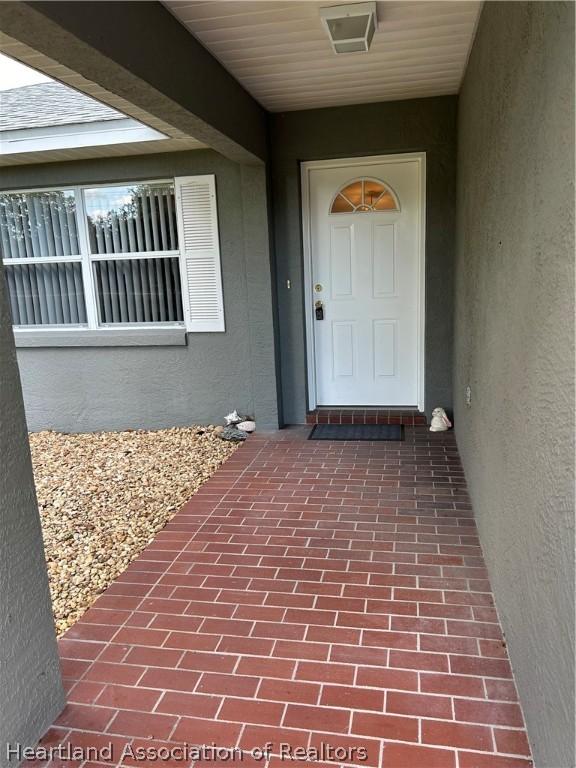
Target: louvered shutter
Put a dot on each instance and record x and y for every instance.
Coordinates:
(199, 253)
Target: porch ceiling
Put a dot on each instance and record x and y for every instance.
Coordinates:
(280, 53)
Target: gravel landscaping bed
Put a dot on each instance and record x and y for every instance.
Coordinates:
(103, 496)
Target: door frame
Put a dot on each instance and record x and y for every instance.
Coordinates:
(305, 168)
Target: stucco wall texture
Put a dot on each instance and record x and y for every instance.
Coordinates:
(514, 343)
(82, 389)
(31, 694)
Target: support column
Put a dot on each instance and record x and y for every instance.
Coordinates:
(260, 296)
(31, 694)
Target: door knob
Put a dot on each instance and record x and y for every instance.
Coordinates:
(319, 310)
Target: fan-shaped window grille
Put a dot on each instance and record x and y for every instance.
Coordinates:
(364, 195)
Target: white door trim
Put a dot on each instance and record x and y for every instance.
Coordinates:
(305, 169)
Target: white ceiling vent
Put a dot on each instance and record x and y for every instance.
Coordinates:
(350, 27)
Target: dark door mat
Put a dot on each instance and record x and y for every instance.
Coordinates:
(357, 432)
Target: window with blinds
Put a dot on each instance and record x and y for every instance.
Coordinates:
(41, 251)
(113, 256)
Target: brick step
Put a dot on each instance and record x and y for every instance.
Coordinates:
(366, 416)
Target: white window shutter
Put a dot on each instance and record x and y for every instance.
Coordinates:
(199, 253)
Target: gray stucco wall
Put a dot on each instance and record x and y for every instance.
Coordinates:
(515, 344)
(31, 694)
(83, 389)
(370, 129)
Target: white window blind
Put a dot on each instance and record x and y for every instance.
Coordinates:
(134, 251)
(137, 255)
(39, 239)
(200, 253)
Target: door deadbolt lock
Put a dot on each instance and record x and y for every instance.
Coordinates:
(319, 310)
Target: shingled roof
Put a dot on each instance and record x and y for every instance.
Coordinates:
(46, 104)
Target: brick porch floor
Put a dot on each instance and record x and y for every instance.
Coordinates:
(310, 593)
(325, 415)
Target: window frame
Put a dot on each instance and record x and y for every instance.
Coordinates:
(356, 208)
(88, 259)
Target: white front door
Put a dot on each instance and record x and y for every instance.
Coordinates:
(365, 229)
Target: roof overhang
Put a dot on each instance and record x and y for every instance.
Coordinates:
(76, 135)
(161, 76)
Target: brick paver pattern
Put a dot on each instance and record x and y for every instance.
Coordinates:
(365, 416)
(331, 597)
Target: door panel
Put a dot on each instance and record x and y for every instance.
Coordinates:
(341, 262)
(365, 272)
(343, 349)
(384, 347)
(383, 261)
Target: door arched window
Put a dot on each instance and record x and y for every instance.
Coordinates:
(363, 195)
